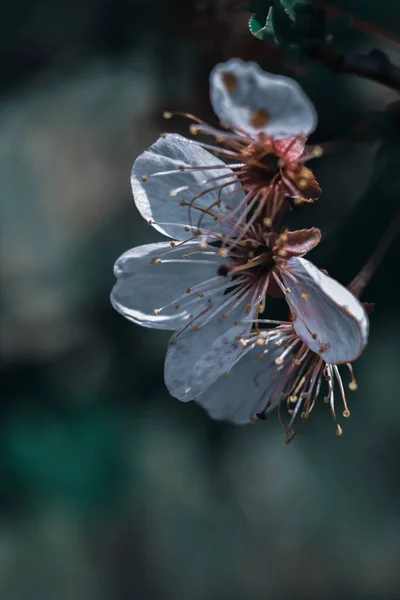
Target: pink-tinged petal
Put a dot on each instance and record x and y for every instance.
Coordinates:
(143, 286)
(197, 358)
(249, 99)
(296, 243)
(172, 154)
(326, 316)
(252, 387)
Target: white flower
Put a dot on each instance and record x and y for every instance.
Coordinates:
(211, 298)
(276, 369)
(180, 187)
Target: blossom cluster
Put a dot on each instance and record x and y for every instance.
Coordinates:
(223, 203)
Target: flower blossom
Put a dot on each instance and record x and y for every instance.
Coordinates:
(210, 298)
(180, 183)
(277, 368)
(210, 285)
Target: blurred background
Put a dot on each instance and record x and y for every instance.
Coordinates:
(109, 488)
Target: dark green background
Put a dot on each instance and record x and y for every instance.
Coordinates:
(109, 488)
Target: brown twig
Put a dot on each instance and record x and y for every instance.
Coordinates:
(375, 65)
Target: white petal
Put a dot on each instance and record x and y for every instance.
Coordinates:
(153, 199)
(328, 318)
(197, 358)
(248, 98)
(143, 287)
(251, 384)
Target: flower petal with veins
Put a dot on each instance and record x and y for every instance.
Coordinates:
(197, 358)
(247, 390)
(143, 286)
(152, 192)
(326, 316)
(249, 99)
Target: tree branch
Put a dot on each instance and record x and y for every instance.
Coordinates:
(375, 65)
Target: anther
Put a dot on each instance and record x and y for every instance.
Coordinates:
(267, 222)
(282, 252)
(144, 178)
(196, 328)
(247, 309)
(167, 115)
(173, 193)
(261, 357)
(158, 261)
(260, 341)
(177, 307)
(194, 130)
(317, 151)
(339, 431)
(185, 256)
(346, 413)
(295, 361)
(172, 244)
(279, 360)
(201, 295)
(157, 311)
(353, 385)
(183, 203)
(304, 296)
(288, 290)
(326, 399)
(186, 228)
(188, 290)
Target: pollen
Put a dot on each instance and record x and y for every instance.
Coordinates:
(353, 385)
(230, 81)
(259, 118)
